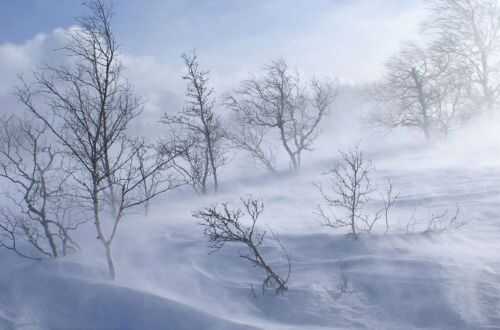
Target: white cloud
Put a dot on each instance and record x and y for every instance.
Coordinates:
(158, 84)
(351, 41)
(354, 42)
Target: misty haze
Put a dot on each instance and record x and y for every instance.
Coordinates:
(257, 165)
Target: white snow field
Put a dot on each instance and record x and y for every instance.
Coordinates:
(404, 280)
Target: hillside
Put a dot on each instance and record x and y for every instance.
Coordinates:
(167, 279)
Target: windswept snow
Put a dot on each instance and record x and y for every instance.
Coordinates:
(168, 280)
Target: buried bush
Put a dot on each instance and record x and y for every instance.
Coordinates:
(223, 224)
(348, 192)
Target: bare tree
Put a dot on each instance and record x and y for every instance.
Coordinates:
(424, 89)
(205, 155)
(280, 103)
(436, 88)
(41, 211)
(470, 30)
(349, 192)
(193, 163)
(389, 199)
(443, 221)
(436, 223)
(87, 105)
(251, 139)
(452, 98)
(222, 224)
(153, 182)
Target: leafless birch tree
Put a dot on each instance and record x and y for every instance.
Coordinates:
(39, 210)
(279, 103)
(202, 126)
(348, 193)
(423, 89)
(470, 30)
(350, 188)
(223, 224)
(252, 139)
(87, 105)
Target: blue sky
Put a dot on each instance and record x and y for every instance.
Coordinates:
(20, 20)
(347, 40)
(164, 27)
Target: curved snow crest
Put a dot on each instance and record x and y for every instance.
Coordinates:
(398, 281)
(41, 301)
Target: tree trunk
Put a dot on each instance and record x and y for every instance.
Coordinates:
(109, 259)
(293, 160)
(212, 162)
(100, 235)
(50, 238)
(205, 173)
(423, 104)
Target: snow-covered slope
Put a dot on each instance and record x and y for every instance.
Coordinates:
(167, 279)
(39, 299)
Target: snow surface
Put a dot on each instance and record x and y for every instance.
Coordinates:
(403, 280)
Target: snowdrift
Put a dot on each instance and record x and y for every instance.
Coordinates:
(168, 280)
